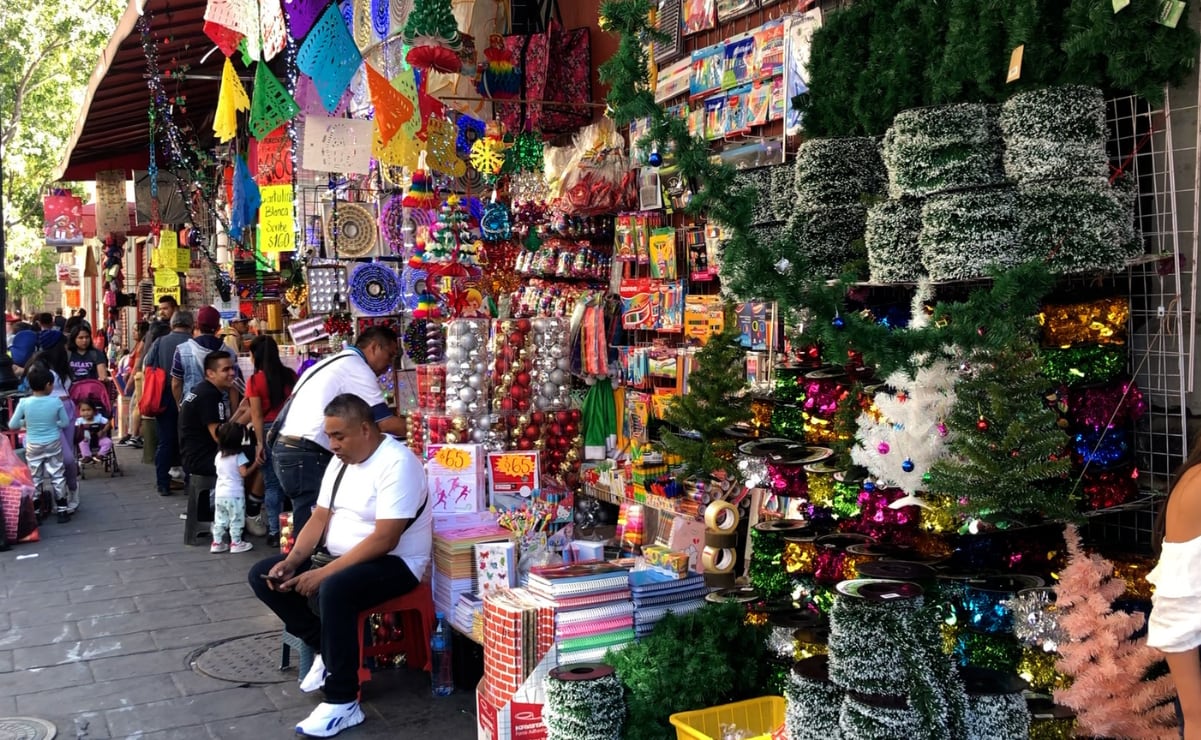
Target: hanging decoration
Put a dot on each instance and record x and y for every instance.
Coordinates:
(471, 130)
(350, 230)
(271, 106)
(433, 32)
(440, 146)
(230, 100)
(246, 200)
(392, 108)
(301, 15)
(227, 22)
(329, 56)
(488, 156)
(337, 144)
(381, 18)
(393, 225)
(374, 290)
(500, 75)
(271, 28)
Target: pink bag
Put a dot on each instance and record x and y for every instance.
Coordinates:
(16, 493)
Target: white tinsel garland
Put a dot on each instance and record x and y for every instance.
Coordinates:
(813, 708)
(860, 721)
(869, 642)
(760, 180)
(932, 150)
(1077, 225)
(997, 717)
(838, 172)
(965, 233)
(828, 238)
(1055, 132)
(891, 237)
(584, 710)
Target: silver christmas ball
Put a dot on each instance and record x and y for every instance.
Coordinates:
(475, 381)
(467, 394)
(479, 436)
(558, 377)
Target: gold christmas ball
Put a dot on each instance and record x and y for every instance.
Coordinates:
(452, 438)
(459, 424)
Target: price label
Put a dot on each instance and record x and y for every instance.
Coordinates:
(452, 459)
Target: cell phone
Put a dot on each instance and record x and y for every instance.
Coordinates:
(269, 577)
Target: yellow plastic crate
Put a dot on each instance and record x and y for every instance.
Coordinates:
(761, 716)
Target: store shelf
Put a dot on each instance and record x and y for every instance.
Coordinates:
(652, 502)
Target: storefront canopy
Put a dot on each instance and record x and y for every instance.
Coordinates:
(113, 130)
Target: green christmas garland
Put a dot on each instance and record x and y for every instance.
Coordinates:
(1056, 132)
(1077, 225)
(766, 570)
(583, 710)
(828, 240)
(894, 253)
(1083, 365)
(997, 717)
(814, 703)
(838, 172)
(966, 234)
(951, 147)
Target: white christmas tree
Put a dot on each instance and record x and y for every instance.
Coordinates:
(906, 432)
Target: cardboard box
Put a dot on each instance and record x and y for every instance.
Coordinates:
(455, 475)
(513, 473)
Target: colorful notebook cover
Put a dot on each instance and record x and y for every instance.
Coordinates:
(596, 627)
(608, 611)
(668, 599)
(495, 566)
(607, 639)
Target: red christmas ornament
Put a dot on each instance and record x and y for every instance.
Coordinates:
(982, 424)
(532, 431)
(523, 324)
(556, 430)
(523, 404)
(572, 429)
(522, 378)
(525, 444)
(516, 339)
(574, 414)
(537, 417)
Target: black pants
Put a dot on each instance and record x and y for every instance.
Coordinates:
(341, 598)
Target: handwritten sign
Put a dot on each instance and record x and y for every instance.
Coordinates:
(272, 157)
(277, 228)
(514, 473)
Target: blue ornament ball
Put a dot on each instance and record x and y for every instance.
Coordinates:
(654, 159)
(869, 485)
(907, 465)
(838, 322)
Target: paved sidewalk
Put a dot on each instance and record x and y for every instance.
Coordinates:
(96, 633)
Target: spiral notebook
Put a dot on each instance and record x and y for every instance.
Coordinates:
(606, 611)
(607, 639)
(646, 582)
(654, 600)
(578, 578)
(570, 603)
(594, 627)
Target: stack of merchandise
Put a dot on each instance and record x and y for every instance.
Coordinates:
(468, 616)
(454, 558)
(519, 631)
(495, 570)
(656, 593)
(593, 609)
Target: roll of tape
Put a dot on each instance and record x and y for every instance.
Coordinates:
(718, 560)
(719, 580)
(720, 540)
(722, 516)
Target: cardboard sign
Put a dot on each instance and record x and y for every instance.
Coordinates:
(513, 473)
(271, 158)
(277, 227)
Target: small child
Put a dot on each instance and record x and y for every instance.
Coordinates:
(230, 492)
(44, 417)
(92, 426)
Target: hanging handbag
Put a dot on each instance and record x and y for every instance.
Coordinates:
(568, 80)
(154, 384)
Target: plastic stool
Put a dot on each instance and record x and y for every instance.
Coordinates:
(287, 642)
(198, 506)
(417, 623)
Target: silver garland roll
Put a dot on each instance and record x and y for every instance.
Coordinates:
(867, 644)
(997, 717)
(858, 720)
(584, 701)
(814, 703)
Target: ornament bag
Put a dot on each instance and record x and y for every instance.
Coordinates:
(567, 81)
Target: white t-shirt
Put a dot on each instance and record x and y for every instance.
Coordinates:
(388, 485)
(319, 385)
(229, 478)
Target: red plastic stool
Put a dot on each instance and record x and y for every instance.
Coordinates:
(417, 625)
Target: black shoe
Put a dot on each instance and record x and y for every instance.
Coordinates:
(164, 491)
(273, 540)
(63, 517)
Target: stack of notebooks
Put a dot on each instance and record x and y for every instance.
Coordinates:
(454, 561)
(468, 616)
(655, 594)
(519, 630)
(593, 612)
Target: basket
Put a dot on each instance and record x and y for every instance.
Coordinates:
(761, 716)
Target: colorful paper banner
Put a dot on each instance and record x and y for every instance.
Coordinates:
(277, 226)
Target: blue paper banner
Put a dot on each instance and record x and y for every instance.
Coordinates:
(330, 57)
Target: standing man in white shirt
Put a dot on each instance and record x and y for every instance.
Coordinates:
(301, 450)
(372, 518)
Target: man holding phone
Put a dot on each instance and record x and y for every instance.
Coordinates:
(367, 541)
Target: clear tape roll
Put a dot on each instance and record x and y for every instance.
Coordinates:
(720, 540)
(718, 559)
(722, 516)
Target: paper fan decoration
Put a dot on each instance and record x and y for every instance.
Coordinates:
(374, 290)
(433, 32)
(488, 156)
(421, 192)
(350, 229)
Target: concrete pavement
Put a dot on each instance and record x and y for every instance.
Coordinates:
(96, 633)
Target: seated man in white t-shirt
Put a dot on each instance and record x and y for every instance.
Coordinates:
(379, 532)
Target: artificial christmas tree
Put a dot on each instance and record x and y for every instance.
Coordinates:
(433, 32)
(907, 432)
(712, 404)
(1109, 691)
(1007, 455)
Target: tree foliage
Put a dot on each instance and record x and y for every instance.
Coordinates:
(47, 53)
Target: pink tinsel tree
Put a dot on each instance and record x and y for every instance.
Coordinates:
(1109, 691)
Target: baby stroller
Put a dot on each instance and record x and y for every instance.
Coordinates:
(97, 393)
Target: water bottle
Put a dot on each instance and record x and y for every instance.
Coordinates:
(442, 676)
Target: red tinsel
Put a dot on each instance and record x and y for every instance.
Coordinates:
(1106, 488)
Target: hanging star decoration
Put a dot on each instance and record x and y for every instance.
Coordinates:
(488, 156)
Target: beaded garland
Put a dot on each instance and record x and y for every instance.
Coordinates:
(589, 708)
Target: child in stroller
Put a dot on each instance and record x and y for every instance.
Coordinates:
(93, 427)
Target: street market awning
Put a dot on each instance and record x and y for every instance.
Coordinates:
(113, 129)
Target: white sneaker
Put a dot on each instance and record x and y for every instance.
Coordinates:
(218, 547)
(176, 473)
(255, 526)
(315, 678)
(242, 546)
(328, 720)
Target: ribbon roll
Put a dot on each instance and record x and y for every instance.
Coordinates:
(722, 516)
(720, 580)
(720, 540)
(718, 560)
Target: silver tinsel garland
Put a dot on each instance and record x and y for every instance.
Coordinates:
(827, 238)
(1035, 620)
(963, 234)
(891, 237)
(814, 707)
(838, 172)
(592, 709)
(1077, 225)
(1055, 132)
(998, 717)
(933, 150)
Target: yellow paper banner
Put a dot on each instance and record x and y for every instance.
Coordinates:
(230, 100)
(277, 228)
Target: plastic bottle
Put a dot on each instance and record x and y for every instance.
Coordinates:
(442, 677)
